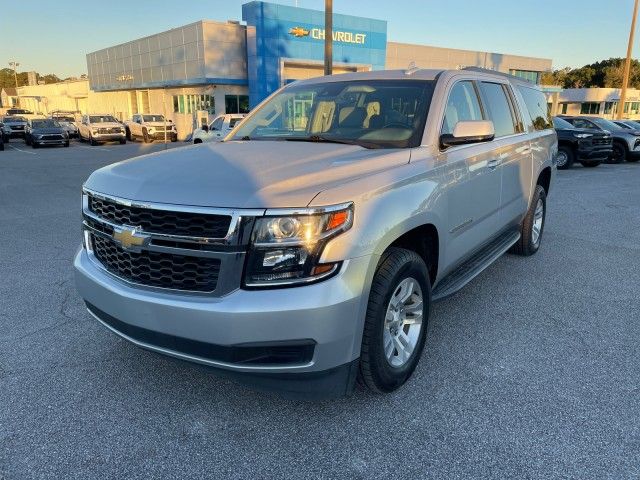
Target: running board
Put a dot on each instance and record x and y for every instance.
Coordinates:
(475, 265)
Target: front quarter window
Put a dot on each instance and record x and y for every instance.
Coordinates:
(370, 113)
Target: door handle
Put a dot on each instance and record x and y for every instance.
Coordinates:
(492, 164)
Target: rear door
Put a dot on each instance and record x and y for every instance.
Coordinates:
(473, 181)
(512, 150)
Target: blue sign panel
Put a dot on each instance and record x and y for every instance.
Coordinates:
(278, 32)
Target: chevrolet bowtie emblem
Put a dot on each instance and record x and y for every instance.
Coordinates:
(298, 32)
(128, 238)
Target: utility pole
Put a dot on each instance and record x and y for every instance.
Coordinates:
(328, 37)
(627, 63)
(15, 65)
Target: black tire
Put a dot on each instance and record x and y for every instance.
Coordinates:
(590, 163)
(1, 146)
(526, 246)
(197, 140)
(619, 153)
(632, 159)
(66, 144)
(128, 132)
(92, 142)
(80, 137)
(145, 136)
(34, 145)
(123, 141)
(565, 157)
(26, 141)
(376, 372)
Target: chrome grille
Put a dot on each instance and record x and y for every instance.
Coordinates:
(161, 221)
(52, 137)
(156, 269)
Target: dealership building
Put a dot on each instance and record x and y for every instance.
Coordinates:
(208, 67)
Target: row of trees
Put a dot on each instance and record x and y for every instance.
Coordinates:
(607, 73)
(7, 79)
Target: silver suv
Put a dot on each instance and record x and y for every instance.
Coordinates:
(305, 250)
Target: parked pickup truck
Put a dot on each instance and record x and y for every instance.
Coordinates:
(303, 254)
(588, 146)
(150, 127)
(100, 128)
(218, 129)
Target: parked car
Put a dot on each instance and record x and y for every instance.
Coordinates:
(40, 132)
(13, 127)
(66, 121)
(218, 129)
(19, 111)
(100, 128)
(1, 138)
(628, 124)
(301, 254)
(588, 146)
(150, 127)
(626, 143)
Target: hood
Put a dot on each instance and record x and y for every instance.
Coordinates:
(253, 174)
(158, 124)
(48, 130)
(106, 125)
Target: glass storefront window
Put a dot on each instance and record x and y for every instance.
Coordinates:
(236, 104)
(589, 108)
(193, 103)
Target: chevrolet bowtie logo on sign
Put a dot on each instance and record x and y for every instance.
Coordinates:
(129, 238)
(298, 32)
(338, 36)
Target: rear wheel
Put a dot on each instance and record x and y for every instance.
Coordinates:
(590, 163)
(532, 225)
(565, 157)
(396, 322)
(619, 152)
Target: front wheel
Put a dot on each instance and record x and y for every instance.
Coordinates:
(396, 323)
(590, 163)
(123, 141)
(145, 136)
(564, 157)
(92, 142)
(532, 225)
(66, 144)
(619, 153)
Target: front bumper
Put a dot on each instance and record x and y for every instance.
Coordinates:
(62, 141)
(329, 314)
(595, 153)
(14, 133)
(172, 136)
(108, 137)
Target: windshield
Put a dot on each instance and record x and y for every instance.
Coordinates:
(65, 119)
(44, 124)
(370, 113)
(102, 119)
(14, 119)
(606, 124)
(153, 118)
(562, 124)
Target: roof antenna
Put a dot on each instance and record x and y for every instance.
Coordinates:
(412, 68)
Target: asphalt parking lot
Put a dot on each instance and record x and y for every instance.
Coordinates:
(532, 371)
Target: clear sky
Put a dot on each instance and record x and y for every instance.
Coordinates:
(53, 36)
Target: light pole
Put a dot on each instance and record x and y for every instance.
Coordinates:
(15, 65)
(328, 37)
(627, 63)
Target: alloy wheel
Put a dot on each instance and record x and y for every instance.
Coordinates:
(403, 322)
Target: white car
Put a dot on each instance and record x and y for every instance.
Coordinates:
(218, 129)
(150, 127)
(100, 128)
(67, 122)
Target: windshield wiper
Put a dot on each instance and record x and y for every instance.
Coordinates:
(345, 141)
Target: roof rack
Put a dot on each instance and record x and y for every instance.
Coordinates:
(495, 72)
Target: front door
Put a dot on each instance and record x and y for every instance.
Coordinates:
(473, 179)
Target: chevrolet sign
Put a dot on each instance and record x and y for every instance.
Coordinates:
(338, 36)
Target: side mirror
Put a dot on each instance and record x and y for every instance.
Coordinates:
(205, 128)
(470, 131)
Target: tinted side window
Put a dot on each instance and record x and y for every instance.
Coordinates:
(462, 105)
(499, 108)
(536, 103)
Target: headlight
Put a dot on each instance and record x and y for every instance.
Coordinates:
(582, 135)
(286, 249)
(94, 130)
